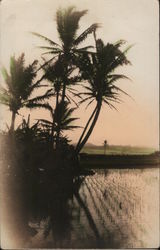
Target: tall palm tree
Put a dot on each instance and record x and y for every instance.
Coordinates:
(98, 70)
(67, 21)
(67, 26)
(53, 74)
(20, 86)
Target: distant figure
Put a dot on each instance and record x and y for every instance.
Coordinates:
(120, 205)
(105, 146)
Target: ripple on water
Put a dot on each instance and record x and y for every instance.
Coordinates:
(111, 209)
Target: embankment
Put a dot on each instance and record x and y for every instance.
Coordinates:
(119, 161)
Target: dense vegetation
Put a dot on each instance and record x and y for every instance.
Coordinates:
(70, 65)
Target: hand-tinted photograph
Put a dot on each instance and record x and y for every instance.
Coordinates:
(79, 124)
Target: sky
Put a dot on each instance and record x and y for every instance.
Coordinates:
(137, 21)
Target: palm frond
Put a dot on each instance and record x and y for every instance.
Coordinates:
(46, 39)
(78, 95)
(46, 63)
(4, 99)
(68, 23)
(83, 93)
(3, 90)
(85, 48)
(68, 121)
(51, 52)
(70, 98)
(84, 35)
(71, 127)
(88, 88)
(49, 48)
(5, 74)
(45, 121)
(119, 43)
(115, 77)
(112, 99)
(110, 105)
(89, 103)
(39, 105)
(72, 89)
(119, 89)
(84, 100)
(127, 49)
(68, 112)
(37, 84)
(49, 93)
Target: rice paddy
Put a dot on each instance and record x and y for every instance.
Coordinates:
(112, 209)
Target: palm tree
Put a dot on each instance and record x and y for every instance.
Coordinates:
(98, 70)
(67, 26)
(53, 74)
(67, 51)
(20, 86)
(62, 113)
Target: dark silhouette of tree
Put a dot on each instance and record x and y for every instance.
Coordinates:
(62, 113)
(98, 70)
(68, 50)
(69, 65)
(19, 85)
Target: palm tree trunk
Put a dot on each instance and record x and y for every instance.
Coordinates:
(81, 137)
(12, 121)
(99, 105)
(59, 115)
(53, 123)
(64, 91)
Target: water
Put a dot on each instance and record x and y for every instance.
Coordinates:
(111, 209)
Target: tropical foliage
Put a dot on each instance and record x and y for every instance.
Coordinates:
(67, 51)
(97, 70)
(19, 86)
(70, 65)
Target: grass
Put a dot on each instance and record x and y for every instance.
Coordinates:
(117, 150)
(118, 157)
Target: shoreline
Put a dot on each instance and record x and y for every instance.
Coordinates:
(119, 161)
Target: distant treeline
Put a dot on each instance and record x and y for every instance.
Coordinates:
(117, 149)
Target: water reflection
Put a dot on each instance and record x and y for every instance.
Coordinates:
(111, 209)
(53, 210)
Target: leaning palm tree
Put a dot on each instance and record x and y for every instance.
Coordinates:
(98, 70)
(19, 86)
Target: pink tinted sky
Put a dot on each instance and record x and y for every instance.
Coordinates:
(136, 122)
